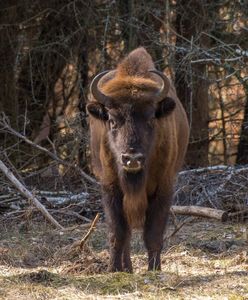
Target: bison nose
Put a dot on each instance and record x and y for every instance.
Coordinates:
(132, 162)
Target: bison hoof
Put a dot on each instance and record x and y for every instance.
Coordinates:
(114, 269)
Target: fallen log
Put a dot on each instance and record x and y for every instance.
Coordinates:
(199, 211)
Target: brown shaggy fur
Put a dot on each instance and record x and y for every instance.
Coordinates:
(133, 78)
(135, 206)
(139, 201)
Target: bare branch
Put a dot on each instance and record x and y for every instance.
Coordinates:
(6, 126)
(25, 192)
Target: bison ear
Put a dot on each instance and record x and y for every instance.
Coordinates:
(165, 107)
(97, 110)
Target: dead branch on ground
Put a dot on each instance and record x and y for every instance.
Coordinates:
(92, 228)
(26, 193)
(178, 226)
(218, 187)
(194, 212)
(198, 211)
(76, 247)
(81, 243)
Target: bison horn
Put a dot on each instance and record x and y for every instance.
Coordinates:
(97, 94)
(162, 93)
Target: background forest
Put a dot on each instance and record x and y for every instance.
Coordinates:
(50, 51)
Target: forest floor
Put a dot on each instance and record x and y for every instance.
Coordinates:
(204, 260)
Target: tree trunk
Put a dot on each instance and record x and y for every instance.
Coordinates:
(9, 41)
(135, 31)
(192, 87)
(242, 156)
(83, 158)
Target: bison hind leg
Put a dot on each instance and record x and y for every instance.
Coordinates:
(156, 219)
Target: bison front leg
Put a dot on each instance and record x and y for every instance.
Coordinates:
(119, 232)
(156, 219)
(126, 259)
(119, 251)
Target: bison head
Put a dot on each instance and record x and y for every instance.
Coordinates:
(131, 113)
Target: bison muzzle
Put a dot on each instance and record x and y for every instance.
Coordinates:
(139, 136)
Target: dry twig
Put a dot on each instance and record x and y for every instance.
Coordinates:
(78, 245)
(179, 226)
(81, 243)
(92, 228)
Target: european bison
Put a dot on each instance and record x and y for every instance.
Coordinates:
(139, 135)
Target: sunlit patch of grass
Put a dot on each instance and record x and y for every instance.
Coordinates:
(104, 284)
(30, 269)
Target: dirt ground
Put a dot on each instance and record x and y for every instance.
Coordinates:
(204, 260)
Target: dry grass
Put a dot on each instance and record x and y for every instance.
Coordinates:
(205, 260)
